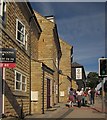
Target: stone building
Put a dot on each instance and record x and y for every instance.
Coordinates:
(74, 85)
(65, 71)
(16, 21)
(45, 75)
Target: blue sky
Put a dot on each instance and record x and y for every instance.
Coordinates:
(81, 24)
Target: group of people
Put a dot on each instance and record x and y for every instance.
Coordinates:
(81, 96)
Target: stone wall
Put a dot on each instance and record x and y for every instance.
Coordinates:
(65, 67)
(39, 83)
(48, 49)
(14, 98)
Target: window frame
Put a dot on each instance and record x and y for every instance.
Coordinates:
(3, 11)
(26, 41)
(21, 82)
(24, 35)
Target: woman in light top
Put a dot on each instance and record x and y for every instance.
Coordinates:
(79, 97)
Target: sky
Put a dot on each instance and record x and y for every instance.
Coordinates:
(82, 25)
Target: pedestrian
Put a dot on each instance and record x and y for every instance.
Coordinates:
(74, 94)
(89, 96)
(79, 97)
(71, 97)
(83, 98)
(92, 93)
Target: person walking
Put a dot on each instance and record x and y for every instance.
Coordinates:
(89, 96)
(92, 93)
(71, 97)
(79, 97)
(74, 94)
(82, 95)
(85, 97)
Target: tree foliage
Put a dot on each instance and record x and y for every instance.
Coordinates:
(92, 79)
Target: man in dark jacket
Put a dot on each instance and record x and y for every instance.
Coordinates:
(92, 96)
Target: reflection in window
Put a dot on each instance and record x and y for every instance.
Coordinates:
(20, 32)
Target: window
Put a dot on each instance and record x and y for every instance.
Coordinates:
(20, 81)
(23, 83)
(20, 32)
(3, 9)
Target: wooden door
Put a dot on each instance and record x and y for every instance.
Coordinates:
(48, 93)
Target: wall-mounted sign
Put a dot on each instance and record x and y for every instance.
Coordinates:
(7, 57)
(78, 73)
(34, 95)
(61, 93)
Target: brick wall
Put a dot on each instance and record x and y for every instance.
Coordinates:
(48, 49)
(46, 44)
(65, 67)
(12, 100)
(65, 61)
(64, 86)
(37, 85)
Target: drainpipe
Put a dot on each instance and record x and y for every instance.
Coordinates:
(43, 91)
(58, 80)
(30, 19)
(1, 91)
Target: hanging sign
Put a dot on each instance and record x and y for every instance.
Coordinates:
(78, 73)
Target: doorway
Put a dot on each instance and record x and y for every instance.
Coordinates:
(48, 93)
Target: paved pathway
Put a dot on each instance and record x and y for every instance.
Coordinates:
(62, 112)
(85, 112)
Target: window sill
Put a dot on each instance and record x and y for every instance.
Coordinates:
(20, 93)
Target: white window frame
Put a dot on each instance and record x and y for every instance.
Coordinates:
(1, 8)
(25, 83)
(24, 36)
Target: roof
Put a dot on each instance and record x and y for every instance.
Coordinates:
(75, 64)
(65, 42)
(28, 3)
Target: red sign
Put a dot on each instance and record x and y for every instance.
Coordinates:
(8, 65)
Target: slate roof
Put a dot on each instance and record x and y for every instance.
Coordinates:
(75, 64)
